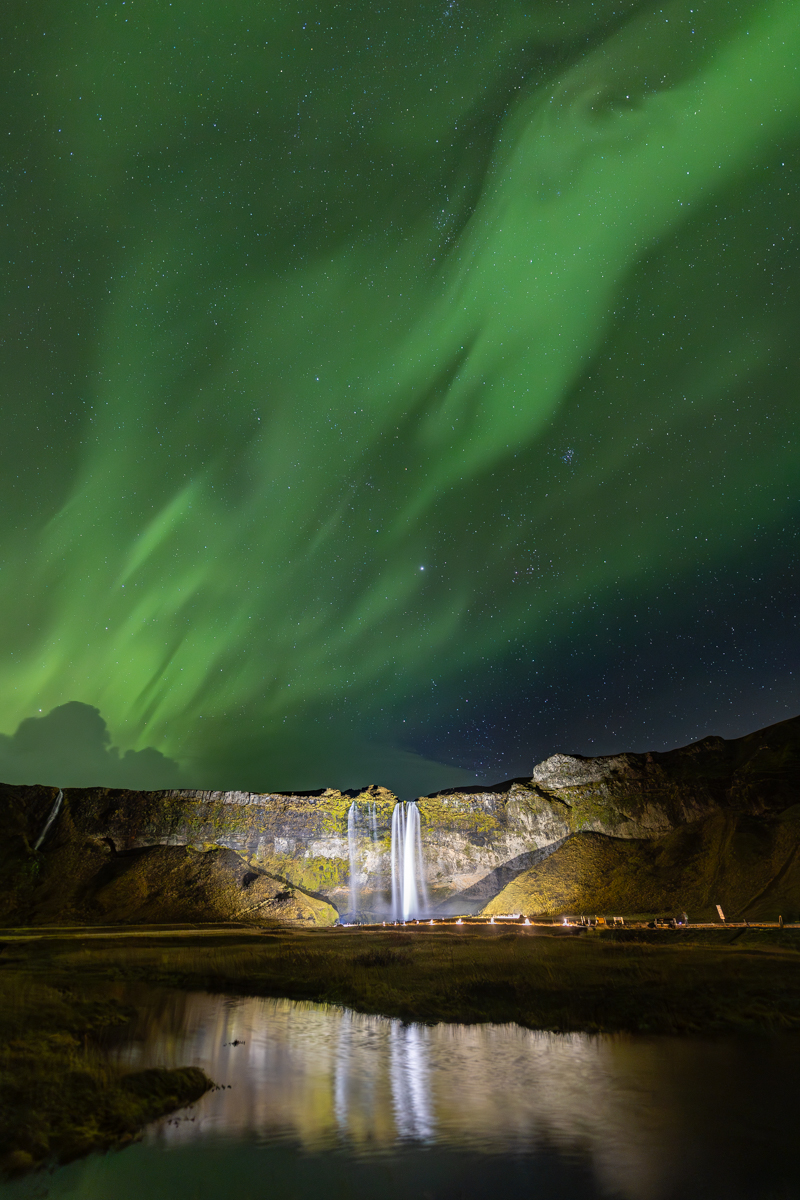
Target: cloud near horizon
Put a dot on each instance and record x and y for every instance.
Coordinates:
(71, 747)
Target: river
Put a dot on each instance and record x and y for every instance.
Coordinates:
(324, 1102)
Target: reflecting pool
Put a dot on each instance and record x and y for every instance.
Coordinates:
(318, 1101)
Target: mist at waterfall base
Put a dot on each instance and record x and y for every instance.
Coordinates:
(407, 893)
(394, 395)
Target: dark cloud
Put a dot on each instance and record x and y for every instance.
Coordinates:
(71, 747)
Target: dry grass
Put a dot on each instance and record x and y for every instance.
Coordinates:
(660, 982)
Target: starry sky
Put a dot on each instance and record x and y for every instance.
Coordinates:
(394, 393)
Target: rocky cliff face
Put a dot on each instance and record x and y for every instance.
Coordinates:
(748, 865)
(476, 841)
(81, 875)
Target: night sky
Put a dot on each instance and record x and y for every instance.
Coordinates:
(394, 392)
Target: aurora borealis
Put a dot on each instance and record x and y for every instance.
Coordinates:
(400, 393)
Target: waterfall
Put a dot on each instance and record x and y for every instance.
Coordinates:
(398, 829)
(50, 819)
(409, 895)
(352, 846)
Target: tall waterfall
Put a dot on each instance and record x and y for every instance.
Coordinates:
(409, 894)
(352, 847)
(376, 857)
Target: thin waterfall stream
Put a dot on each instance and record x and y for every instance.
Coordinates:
(53, 814)
(352, 848)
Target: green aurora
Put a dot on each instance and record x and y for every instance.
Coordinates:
(371, 371)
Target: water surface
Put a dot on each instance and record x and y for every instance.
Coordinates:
(323, 1101)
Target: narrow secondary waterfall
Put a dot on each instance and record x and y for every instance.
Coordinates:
(409, 894)
(352, 847)
(50, 819)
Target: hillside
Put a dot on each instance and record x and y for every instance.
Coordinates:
(747, 864)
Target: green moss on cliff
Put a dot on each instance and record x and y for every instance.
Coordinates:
(457, 813)
(334, 818)
(337, 806)
(591, 808)
(315, 874)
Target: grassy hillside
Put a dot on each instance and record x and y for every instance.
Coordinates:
(76, 878)
(749, 865)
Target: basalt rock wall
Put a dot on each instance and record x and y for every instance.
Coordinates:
(476, 841)
(300, 836)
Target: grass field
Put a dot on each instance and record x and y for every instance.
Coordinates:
(656, 981)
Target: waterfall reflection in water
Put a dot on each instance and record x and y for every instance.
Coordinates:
(409, 1049)
(325, 1099)
(654, 1118)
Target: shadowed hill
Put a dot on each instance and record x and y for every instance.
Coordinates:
(82, 878)
(749, 865)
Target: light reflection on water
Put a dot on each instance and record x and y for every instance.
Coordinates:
(636, 1118)
(322, 1076)
(325, 1076)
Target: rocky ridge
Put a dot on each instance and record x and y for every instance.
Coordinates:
(477, 841)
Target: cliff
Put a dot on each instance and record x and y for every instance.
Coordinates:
(478, 840)
(110, 851)
(748, 865)
(81, 875)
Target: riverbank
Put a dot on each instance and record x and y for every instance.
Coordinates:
(59, 1098)
(612, 980)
